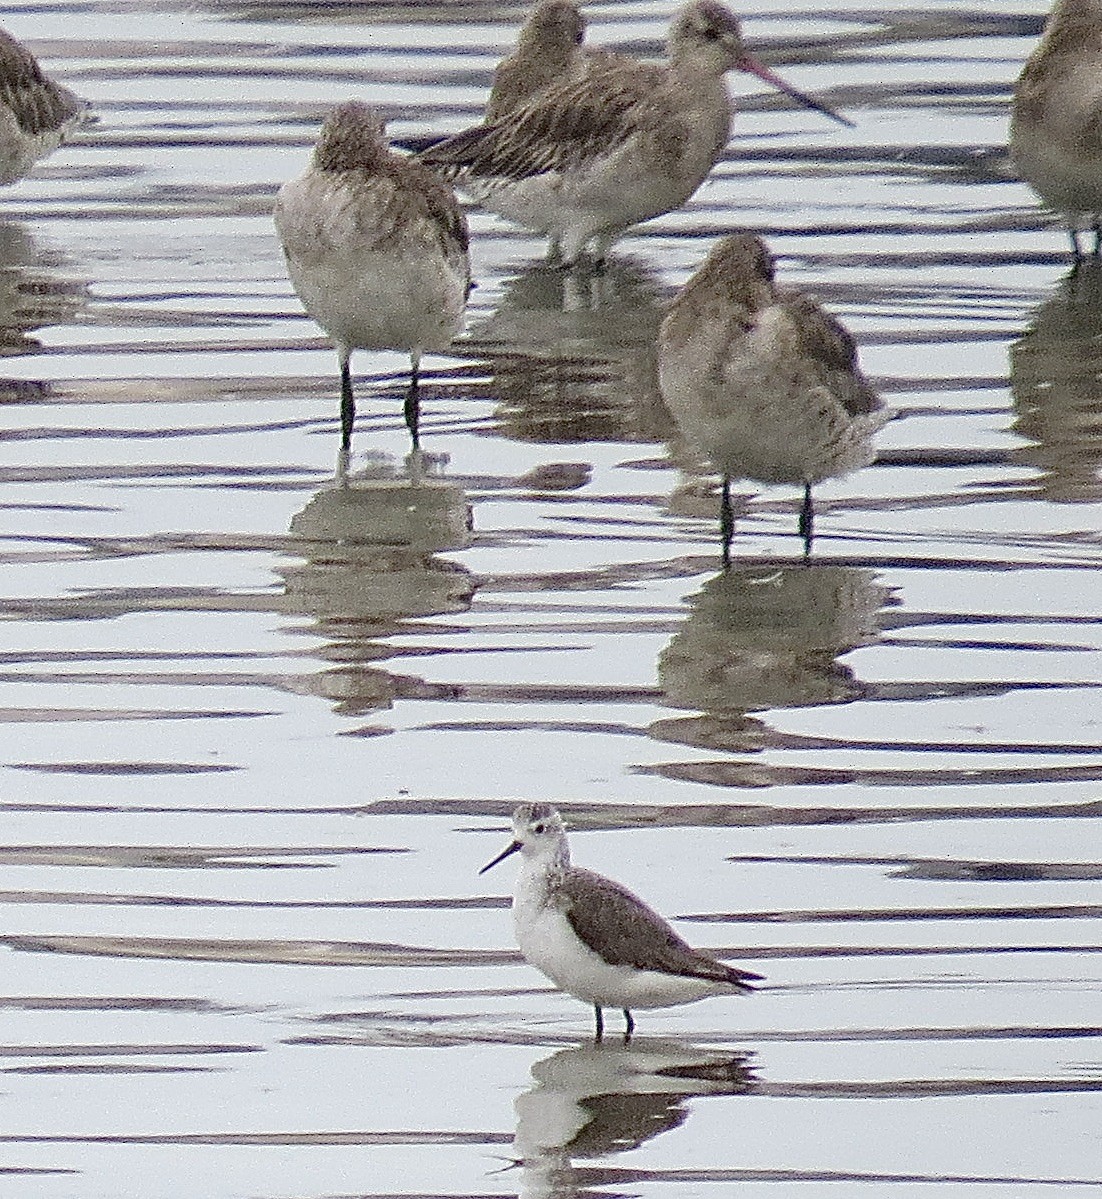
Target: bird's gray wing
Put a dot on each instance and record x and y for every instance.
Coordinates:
(825, 342)
(565, 124)
(38, 104)
(625, 932)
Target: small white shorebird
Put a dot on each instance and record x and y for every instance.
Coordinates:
(36, 114)
(763, 381)
(596, 940)
(376, 247)
(589, 157)
(1056, 121)
(549, 49)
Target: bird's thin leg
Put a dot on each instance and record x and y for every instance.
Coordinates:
(1076, 250)
(807, 516)
(1096, 226)
(629, 1025)
(599, 1036)
(726, 521)
(413, 400)
(348, 402)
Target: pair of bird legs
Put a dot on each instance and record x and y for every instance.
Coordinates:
(1096, 229)
(629, 1025)
(727, 520)
(411, 409)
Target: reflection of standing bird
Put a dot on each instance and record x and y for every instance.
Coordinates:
(764, 381)
(588, 158)
(1056, 383)
(36, 114)
(549, 50)
(595, 939)
(1056, 124)
(376, 248)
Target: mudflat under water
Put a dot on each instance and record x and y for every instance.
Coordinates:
(264, 722)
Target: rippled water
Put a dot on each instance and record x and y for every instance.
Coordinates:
(264, 722)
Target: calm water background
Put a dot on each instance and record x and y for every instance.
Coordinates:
(262, 725)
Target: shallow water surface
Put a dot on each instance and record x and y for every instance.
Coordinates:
(256, 701)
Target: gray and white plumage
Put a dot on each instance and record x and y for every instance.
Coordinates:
(594, 938)
(762, 380)
(1056, 117)
(36, 114)
(376, 247)
(588, 158)
(549, 49)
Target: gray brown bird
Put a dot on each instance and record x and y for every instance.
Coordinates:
(1056, 118)
(588, 158)
(36, 114)
(763, 381)
(376, 247)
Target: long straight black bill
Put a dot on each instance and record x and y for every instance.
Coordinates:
(753, 67)
(509, 849)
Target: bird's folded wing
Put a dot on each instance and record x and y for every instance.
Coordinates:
(38, 104)
(565, 124)
(830, 349)
(625, 932)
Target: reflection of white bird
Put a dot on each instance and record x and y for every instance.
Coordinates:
(592, 1101)
(376, 248)
(591, 156)
(1056, 121)
(763, 381)
(36, 114)
(596, 940)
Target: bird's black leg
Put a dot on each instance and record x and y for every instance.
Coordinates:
(807, 516)
(413, 405)
(599, 1037)
(726, 521)
(1076, 251)
(629, 1025)
(1096, 226)
(348, 404)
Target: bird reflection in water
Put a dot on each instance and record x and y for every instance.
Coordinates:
(32, 293)
(597, 1100)
(573, 355)
(368, 543)
(760, 637)
(1056, 384)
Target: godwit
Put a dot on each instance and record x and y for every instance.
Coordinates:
(549, 49)
(376, 248)
(1056, 120)
(591, 156)
(763, 381)
(596, 940)
(36, 114)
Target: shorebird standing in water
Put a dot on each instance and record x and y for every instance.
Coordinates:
(36, 114)
(763, 381)
(589, 157)
(596, 940)
(549, 50)
(1056, 121)
(376, 247)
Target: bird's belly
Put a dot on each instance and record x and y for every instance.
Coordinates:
(377, 300)
(19, 150)
(761, 416)
(548, 942)
(1055, 140)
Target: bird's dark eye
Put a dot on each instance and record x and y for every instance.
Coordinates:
(539, 828)
(712, 35)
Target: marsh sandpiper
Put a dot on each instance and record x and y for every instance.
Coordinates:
(596, 940)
